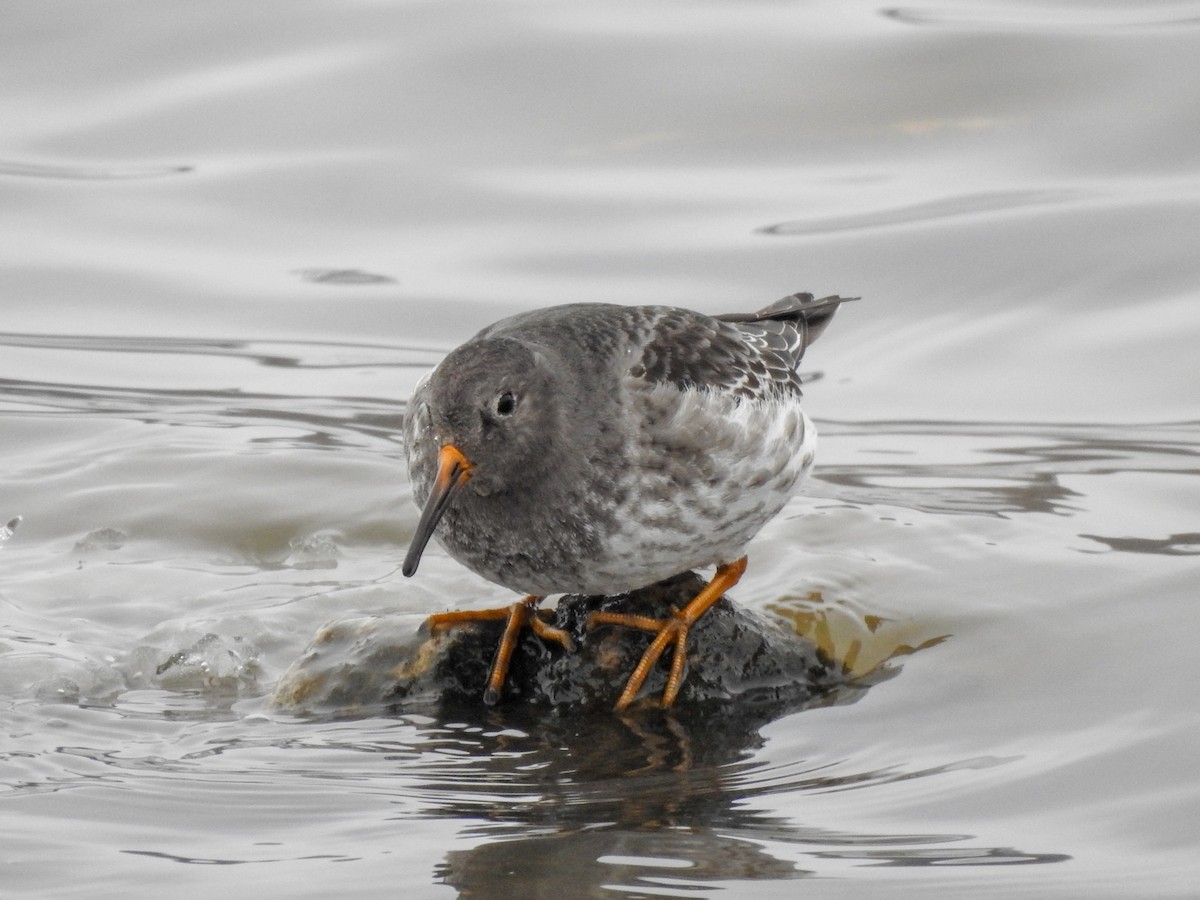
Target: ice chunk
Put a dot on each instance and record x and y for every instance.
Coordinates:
(7, 530)
(314, 552)
(212, 664)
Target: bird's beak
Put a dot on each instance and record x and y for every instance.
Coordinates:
(453, 471)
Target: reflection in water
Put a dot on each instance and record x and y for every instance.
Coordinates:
(654, 803)
(659, 803)
(1186, 544)
(1005, 468)
(687, 858)
(659, 800)
(583, 863)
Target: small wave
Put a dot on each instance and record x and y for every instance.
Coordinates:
(343, 276)
(1045, 18)
(945, 208)
(89, 173)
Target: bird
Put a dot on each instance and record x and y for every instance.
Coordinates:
(596, 448)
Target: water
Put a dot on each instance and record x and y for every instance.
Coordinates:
(233, 238)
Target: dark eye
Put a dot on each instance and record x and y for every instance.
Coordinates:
(506, 404)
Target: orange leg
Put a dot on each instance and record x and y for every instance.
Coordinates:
(670, 631)
(517, 616)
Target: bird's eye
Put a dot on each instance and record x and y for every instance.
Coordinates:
(506, 404)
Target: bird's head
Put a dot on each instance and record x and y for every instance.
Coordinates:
(490, 410)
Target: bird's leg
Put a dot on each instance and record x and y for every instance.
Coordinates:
(516, 616)
(673, 630)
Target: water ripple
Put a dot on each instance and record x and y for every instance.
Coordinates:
(1047, 17)
(945, 208)
(532, 787)
(352, 277)
(195, 401)
(21, 169)
(1008, 467)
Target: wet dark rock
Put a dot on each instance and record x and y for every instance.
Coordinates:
(737, 659)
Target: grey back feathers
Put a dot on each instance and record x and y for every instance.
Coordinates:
(751, 355)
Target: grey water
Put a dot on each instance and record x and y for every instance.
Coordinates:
(235, 235)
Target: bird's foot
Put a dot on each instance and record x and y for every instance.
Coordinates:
(523, 614)
(667, 631)
(673, 630)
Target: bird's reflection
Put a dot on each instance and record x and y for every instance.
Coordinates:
(585, 863)
(662, 802)
(576, 799)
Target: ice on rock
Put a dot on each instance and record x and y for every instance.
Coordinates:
(89, 681)
(313, 552)
(6, 531)
(212, 663)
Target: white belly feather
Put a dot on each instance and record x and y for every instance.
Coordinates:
(707, 472)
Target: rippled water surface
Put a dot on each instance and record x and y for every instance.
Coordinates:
(234, 235)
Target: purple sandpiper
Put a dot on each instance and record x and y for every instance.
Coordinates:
(595, 449)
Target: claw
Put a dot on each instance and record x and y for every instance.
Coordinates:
(673, 630)
(522, 614)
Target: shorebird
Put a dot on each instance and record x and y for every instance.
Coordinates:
(595, 449)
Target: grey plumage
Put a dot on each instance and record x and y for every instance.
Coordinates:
(609, 447)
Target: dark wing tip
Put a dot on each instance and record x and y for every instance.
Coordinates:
(815, 314)
(793, 306)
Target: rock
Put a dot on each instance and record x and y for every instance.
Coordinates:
(736, 659)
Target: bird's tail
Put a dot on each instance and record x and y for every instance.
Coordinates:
(814, 314)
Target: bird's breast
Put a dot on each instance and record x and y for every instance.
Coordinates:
(705, 474)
